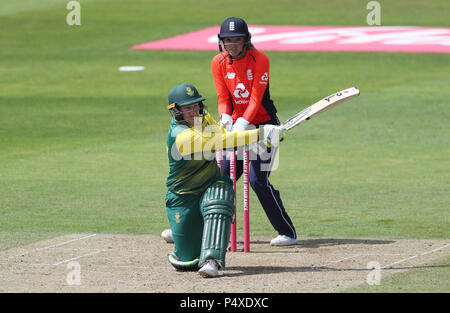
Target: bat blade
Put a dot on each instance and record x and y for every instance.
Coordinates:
(321, 106)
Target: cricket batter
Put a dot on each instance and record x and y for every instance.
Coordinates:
(199, 200)
(241, 78)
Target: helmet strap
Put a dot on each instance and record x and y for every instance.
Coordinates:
(178, 115)
(246, 47)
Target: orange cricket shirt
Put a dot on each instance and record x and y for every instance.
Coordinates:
(242, 86)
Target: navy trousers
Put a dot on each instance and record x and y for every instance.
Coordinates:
(268, 196)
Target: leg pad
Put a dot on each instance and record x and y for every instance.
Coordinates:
(217, 207)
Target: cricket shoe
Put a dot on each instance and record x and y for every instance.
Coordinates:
(167, 235)
(283, 240)
(209, 269)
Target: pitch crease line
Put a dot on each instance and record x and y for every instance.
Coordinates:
(51, 246)
(415, 256)
(341, 260)
(78, 257)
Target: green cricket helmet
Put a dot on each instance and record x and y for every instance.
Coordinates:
(181, 95)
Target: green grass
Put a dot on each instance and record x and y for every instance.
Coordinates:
(82, 145)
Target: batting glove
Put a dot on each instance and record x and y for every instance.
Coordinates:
(271, 134)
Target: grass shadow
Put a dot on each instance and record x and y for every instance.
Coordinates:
(317, 243)
(258, 246)
(264, 270)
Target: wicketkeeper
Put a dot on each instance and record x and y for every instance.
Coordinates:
(241, 77)
(199, 200)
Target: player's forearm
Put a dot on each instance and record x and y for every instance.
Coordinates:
(213, 138)
(251, 111)
(255, 103)
(224, 106)
(239, 138)
(223, 95)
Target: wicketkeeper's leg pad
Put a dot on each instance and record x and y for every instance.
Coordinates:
(217, 207)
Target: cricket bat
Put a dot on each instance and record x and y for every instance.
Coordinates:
(321, 106)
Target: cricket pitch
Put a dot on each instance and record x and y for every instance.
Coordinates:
(138, 263)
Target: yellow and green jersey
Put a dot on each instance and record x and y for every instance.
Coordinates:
(191, 153)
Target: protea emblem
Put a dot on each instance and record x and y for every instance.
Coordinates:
(189, 91)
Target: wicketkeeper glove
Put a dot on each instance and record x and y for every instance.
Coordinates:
(241, 124)
(226, 122)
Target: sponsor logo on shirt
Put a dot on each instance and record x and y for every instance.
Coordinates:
(241, 91)
(230, 75)
(264, 78)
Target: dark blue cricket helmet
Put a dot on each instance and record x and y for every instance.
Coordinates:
(233, 27)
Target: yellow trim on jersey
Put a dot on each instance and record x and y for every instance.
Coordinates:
(210, 136)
